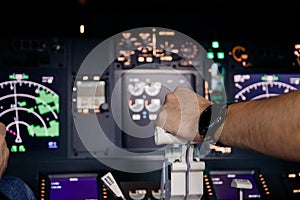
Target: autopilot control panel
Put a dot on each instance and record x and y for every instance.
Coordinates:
(76, 108)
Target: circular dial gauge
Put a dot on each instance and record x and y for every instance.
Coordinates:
(144, 44)
(153, 106)
(126, 48)
(189, 50)
(136, 89)
(153, 89)
(168, 48)
(263, 86)
(127, 42)
(137, 105)
(30, 112)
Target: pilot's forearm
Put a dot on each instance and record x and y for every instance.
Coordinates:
(270, 126)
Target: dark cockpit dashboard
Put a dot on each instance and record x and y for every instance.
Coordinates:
(79, 105)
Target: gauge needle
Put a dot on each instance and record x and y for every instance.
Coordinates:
(18, 138)
(267, 90)
(154, 43)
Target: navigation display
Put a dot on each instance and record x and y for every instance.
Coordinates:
(30, 109)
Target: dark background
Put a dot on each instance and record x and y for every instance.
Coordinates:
(222, 19)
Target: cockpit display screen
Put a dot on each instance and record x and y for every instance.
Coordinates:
(257, 86)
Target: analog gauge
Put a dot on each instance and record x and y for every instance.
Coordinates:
(138, 194)
(126, 48)
(165, 51)
(153, 106)
(138, 105)
(127, 42)
(252, 86)
(145, 44)
(153, 89)
(30, 111)
(168, 48)
(136, 89)
(189, 50)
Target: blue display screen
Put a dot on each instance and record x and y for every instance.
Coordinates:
(258, 86)
(75, 187)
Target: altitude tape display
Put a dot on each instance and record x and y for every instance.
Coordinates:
(98, 61)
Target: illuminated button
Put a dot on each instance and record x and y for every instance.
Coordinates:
(96, 78)
(121, 59)
(296, 191)
(136, 117)
(291, 175)
(220, 55)
(149, 59)
(141, 59)
(152, 117)
(210, 55)
(85, 111)
(215, 44)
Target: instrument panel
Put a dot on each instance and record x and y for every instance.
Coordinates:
(88, 105)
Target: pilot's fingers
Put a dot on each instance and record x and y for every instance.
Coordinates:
(4, 155)
(161, 118)
(169, 98)
(2, 129)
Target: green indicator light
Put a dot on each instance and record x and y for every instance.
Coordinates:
(22, 148)
(12, 76)
(215, 44)
(13, 148)
(220, 55)
(210, 55)
(270, 78)
(25, 76)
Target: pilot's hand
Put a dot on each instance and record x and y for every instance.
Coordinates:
(4, 152)
(180, 113)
